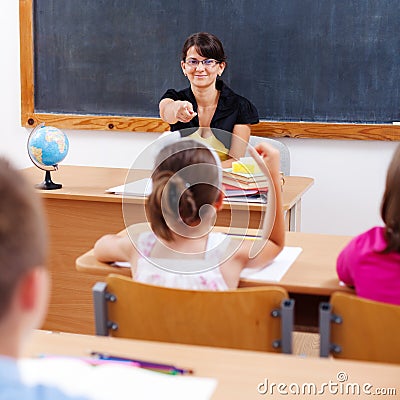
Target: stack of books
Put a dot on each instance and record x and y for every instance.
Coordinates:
(244, 181)
(241, 186)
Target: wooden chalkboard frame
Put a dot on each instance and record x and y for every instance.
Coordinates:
(29, 118)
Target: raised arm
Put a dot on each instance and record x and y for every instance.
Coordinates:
(273, 230)
(269, 160)
(253, 254)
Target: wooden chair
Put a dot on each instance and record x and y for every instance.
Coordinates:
(248, 318)
(360, 329)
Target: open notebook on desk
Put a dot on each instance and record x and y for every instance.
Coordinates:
(140, 188)
(109, 381)
(271, 273)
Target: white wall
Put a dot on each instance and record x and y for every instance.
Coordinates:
(349, 175)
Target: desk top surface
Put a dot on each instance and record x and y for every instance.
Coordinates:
(238, 372)
(90, 183)
(313, 272)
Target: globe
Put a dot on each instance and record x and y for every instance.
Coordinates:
(47, 147)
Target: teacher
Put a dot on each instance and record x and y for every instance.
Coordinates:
(214, 112)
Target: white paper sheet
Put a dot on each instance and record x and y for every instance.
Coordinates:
(277, 269)
(106, 382)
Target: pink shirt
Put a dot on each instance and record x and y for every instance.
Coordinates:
(375, 276)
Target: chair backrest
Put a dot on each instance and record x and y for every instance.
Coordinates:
(359, 329)
(283, 149)
(248, 318)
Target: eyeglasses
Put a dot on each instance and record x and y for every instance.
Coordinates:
(209, 63)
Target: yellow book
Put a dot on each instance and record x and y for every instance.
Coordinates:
(245, 165)
(237, 166)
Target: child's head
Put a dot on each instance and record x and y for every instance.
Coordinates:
(390, 208)
(187, 177)
(22, 239)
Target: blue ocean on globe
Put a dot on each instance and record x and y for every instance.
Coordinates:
(47, 146)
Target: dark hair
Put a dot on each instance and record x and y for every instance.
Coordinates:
(179, 192)
(22, 231)
(390, 208)
(206, 44)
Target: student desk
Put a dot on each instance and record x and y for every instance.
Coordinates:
(80, 212)
(311, 279)
(238, 372)
(313, 272)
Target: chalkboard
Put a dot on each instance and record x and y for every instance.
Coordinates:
(323, 61)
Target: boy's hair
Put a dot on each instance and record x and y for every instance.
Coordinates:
(206, 44)
(186, 177)
(22, 231)
(390, 208)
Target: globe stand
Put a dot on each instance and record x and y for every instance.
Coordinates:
(48, 184)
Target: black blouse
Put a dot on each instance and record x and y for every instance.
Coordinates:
(232, 109)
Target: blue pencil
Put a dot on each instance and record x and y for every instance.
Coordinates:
(143, 364)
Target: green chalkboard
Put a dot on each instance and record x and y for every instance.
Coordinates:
(323, 61)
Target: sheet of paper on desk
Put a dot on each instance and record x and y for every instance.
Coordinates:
(277, 269)
(106, 382)
(121, 264)
(141, 188)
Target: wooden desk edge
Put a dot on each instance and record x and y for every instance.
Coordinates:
(88, 264)
(220, 363)
(311, 290)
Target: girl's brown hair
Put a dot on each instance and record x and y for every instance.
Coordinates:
(390, 208)
(185, 178)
